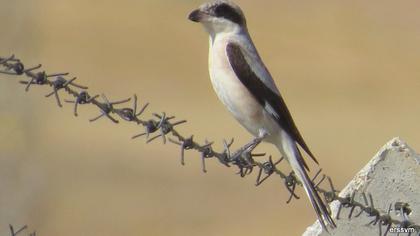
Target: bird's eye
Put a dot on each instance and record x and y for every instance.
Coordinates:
(227, 12)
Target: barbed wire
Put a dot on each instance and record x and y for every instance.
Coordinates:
(162, 126)
(19, 231)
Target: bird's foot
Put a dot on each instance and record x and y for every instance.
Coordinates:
(249, 147)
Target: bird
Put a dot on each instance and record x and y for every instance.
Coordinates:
(245, 86)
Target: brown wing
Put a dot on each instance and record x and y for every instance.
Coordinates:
(273, 102)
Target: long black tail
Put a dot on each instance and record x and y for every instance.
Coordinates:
(289, 149)
(319, 206)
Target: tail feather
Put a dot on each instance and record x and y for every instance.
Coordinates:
(318, 205)
(289, 149)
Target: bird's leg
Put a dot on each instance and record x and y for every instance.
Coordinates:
(247, 148)
(262, 134)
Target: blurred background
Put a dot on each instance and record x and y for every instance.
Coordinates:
(348, 70)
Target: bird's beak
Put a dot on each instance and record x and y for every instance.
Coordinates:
(196, 15)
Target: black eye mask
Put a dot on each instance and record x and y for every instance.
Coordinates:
(227, 12)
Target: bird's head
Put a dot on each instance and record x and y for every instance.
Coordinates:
(219, 16)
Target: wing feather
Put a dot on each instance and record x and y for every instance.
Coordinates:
(272, 101)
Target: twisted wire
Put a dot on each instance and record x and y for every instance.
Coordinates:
(164, 127)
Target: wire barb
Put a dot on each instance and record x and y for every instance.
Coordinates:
(82, 98)
(20, 230)
(107, 107)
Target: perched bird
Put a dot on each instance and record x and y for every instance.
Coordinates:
(246, 88)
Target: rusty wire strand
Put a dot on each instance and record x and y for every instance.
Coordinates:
(19, 231)
(161, 125)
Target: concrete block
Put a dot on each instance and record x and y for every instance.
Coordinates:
(393, 175)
